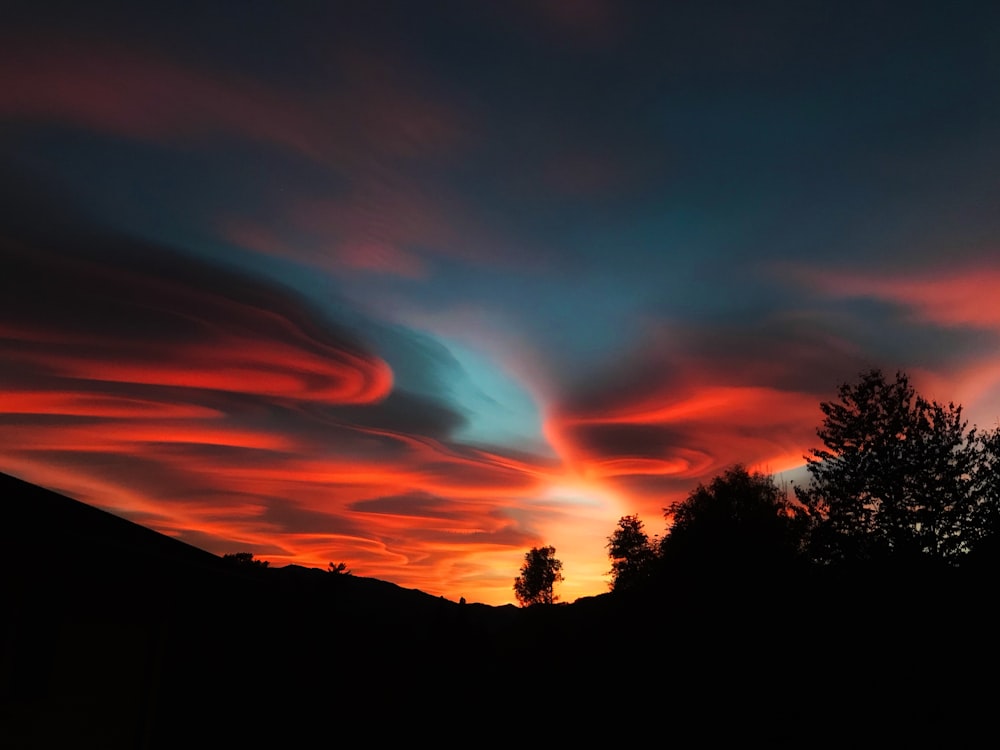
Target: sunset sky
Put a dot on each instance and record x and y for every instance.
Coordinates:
(417, 286)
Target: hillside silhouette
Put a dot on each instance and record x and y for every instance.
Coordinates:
(122, 637)
(117, 636)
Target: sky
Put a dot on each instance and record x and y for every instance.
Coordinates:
(420, 286)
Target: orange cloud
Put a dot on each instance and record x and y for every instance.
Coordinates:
(689, 434)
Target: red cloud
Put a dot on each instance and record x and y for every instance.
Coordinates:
(136, 93)
(954, 297)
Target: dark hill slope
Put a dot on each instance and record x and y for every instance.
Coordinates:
(121, 637)
(117, 636)
(51, 534)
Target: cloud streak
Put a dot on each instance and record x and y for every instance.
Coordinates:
(949, 297)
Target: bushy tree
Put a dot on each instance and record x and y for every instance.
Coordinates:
(740, 519)
(898, 475)
(631, 554)
(539, 574)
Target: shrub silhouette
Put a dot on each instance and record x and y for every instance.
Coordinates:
(245, 559)
(740, 520)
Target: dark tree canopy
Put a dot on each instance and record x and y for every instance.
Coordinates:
(740, 518)
(539, 574)
(631, 554)
(898, 475)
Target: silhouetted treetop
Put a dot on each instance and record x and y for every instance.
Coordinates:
(898, 475)
(739, 518)
(631, 554)
(539, 574)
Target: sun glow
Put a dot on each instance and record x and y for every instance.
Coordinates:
(589, 513)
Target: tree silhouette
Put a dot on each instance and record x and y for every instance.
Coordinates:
(740, 520)
(539, 574)
(983, 537)
(338, 569)
(631, 554)
(899, 475)
(245, 559)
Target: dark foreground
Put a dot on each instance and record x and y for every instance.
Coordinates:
(117, 637)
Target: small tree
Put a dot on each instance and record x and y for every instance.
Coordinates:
(539, 574)
(338, 569)
(631, 554)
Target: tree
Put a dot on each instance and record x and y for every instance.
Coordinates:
(539, 574)
(740, 520)
(631, 554)
(898, 475)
